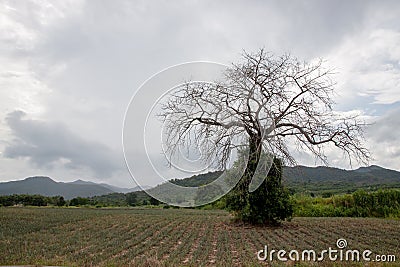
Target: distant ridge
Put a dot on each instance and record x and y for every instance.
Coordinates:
(45, 186)
(330, 180)
(362, 176)
(319, 179)
(298, 178)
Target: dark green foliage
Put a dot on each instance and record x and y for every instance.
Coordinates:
(79, 201)
(34, 200)
(109, 200)
(197, 180)
(141, 197)
(29, 200)
(136, 198)
(131, 199)
(60, 202)
(154, 201)
(326, 194)
(7, 201)
(268, 204)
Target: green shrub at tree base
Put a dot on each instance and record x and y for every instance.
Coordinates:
(270, 203)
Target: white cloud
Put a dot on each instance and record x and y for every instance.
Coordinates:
(368, 65)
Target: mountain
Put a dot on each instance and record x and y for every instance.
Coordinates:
(299, 179)
(197, 180)
(318, 179)
(338, 180)
(123, 189)
(47, 187)
(113, 188)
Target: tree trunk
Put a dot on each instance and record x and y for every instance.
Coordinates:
(255, 149)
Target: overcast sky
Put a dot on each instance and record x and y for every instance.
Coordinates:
(69, 68)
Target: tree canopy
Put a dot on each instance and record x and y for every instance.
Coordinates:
(272, 100)
(264, 105)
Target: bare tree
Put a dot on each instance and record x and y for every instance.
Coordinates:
(273, 102)
(272, 105)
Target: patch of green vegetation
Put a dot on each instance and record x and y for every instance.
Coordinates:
(381, 203)
(138, 198)
(197, 180)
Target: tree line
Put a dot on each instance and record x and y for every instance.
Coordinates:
(384, 203)
(139, 198)
(31, 200)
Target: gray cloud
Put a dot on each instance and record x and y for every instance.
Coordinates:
(386, 128)
(106, 50)
(79, 62)
(49, 143)
(384, 139)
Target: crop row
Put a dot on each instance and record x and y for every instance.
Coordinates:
(174, 237)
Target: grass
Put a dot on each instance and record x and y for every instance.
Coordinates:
(174, 237)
